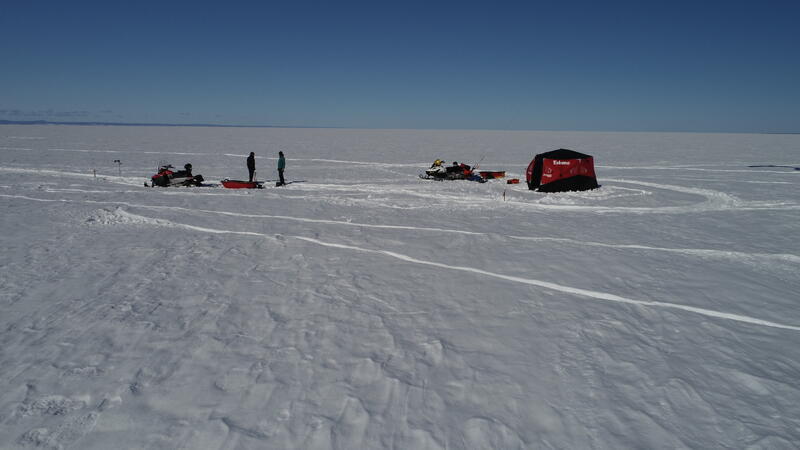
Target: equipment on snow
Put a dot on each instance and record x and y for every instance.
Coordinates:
(438, 171)
(241, 184)
(561, 170)
(492, 174)
(167, 177)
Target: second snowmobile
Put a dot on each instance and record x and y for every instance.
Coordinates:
(438, 171)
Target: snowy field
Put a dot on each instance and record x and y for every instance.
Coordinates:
(361, 307)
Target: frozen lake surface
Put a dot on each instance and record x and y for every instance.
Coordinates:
(363, 307)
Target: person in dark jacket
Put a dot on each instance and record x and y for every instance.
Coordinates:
(251, 165)
(186, 172)
(281, 166)
(454, 168)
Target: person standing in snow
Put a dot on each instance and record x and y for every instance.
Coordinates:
(281, 166)
(251, 165)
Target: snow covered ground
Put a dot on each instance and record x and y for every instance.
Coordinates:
(362, 307)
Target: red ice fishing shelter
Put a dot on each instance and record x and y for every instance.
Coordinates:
(561, 170)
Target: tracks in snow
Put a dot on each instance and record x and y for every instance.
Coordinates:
(706, 253)
(713, 200)
(578, 292)
(721, 200)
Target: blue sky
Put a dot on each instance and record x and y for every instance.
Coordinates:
(625, 65)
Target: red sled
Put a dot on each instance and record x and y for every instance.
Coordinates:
(240, 184)
(492, 174)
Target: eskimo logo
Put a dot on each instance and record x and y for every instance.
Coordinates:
(560, 163)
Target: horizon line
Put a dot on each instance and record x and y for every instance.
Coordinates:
(216, 125)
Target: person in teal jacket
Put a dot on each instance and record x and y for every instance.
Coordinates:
(281, 166)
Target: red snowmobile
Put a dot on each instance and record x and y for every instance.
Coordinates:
(167, 177)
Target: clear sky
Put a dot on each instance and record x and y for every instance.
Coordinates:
(535, 65)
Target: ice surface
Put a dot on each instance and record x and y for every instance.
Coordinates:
(362, 307)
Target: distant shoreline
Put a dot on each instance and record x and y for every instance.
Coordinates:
(213, 125)
(135, 124)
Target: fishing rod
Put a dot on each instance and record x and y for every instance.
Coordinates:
(476, 165)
